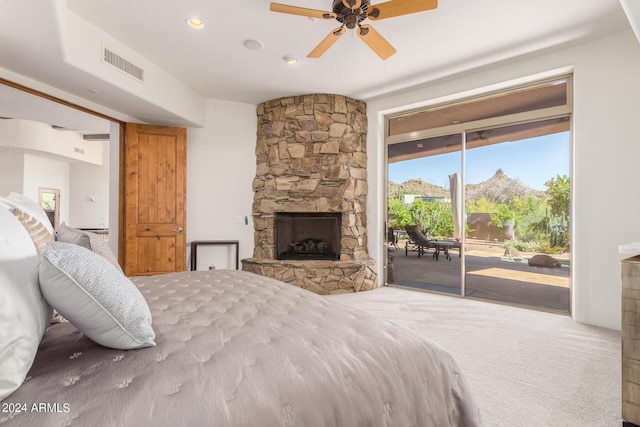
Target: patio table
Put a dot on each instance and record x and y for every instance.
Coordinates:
(443, 246)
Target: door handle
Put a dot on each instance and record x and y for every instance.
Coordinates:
(178, 230)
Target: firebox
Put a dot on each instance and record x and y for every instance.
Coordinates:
(307, 236)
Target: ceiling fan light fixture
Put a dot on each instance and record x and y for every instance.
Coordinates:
(291, 60)
(351, 14)
(196, 23)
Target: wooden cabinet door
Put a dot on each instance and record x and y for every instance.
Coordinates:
(154, 199)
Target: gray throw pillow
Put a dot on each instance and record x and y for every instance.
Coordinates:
(87, 240)
(95, 297)
(66, 234)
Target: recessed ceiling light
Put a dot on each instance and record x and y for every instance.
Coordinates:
(252, 44)
(196, 23)
(290, 60)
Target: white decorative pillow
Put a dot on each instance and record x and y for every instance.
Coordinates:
(24, 313)
(37, 231)
(95, 296)
(26, 205)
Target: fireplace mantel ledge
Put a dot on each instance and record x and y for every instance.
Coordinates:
(312, 263)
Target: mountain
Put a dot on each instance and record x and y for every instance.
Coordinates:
(498, 189)
(417, 186)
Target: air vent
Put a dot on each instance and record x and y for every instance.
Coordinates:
(122, 64)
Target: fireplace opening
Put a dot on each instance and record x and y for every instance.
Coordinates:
(307, 236)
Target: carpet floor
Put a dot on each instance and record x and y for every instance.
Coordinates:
(434, 287)
(526, 367)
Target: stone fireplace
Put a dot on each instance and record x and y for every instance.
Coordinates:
(311, 176)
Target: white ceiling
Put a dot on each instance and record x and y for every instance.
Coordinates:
(457, 36)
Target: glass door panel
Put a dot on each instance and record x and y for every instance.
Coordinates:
(517, 196)
(424, 250)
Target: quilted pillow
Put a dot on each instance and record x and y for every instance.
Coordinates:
(24, 313)
(95, 297)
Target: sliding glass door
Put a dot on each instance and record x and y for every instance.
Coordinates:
(481, 207)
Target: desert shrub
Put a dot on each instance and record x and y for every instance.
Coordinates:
(521, 245)
(545, 248)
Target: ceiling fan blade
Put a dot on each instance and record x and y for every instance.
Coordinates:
(327, 42)
(392, 8)
(301, 11)
(352, 4)
(376, 42)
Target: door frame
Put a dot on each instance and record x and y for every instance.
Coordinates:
(463, 128)
(56, 214)
(121, 150)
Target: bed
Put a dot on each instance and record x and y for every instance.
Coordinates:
(231, 348)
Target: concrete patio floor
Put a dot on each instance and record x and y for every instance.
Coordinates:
(488, 276)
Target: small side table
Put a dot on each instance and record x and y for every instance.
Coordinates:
(196, 243)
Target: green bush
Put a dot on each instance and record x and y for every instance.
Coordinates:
(434, 216)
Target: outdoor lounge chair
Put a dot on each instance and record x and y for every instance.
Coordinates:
(417, 241)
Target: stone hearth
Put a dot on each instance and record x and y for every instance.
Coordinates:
(311, 158)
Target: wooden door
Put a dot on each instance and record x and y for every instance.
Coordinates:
(154, 190)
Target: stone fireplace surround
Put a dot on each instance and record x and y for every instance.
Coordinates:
(311, 157)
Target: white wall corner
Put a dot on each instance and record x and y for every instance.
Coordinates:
(632, 10)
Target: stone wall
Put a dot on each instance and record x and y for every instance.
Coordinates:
(311, 157)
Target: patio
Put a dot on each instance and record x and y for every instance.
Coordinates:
(489, 276)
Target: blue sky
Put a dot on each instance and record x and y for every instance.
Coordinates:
(533, 161)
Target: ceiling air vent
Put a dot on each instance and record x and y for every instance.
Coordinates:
(122, 64)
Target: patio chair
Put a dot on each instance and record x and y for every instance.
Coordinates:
(417, 240)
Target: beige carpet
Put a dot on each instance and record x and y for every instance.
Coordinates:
(526, 368)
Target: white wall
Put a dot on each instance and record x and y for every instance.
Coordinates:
(221, 166)
(25, 173)
(89, 193)
(114, 185)
(11, 172)
(47, 173)
(41, 137)
(606, 157)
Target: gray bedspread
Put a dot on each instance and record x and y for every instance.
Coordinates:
(237, 349)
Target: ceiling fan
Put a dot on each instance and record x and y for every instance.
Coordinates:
(351, 13)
